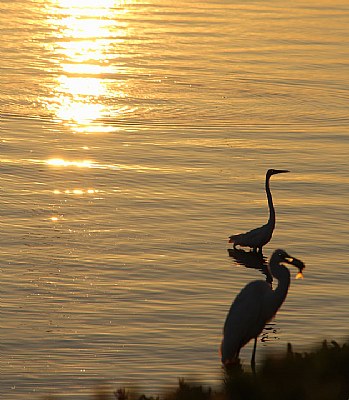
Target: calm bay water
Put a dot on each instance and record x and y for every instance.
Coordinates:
(135, 137)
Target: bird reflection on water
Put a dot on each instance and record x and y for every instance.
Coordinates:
(251, 259)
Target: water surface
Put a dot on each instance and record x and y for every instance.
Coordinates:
(135, 137)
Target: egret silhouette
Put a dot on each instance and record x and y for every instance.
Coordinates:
(258, 237)
(254, 306)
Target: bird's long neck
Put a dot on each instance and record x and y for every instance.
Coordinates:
(282, 274)
(271, 220)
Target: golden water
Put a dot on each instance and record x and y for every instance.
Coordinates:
(135, 137)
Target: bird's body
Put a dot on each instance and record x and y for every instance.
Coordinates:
(254, 306)
(256, 238)
(244, 320)
(259, 237)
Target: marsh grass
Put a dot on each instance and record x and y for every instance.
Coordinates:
(322, 374)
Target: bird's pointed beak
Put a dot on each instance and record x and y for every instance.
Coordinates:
(298, 264)
(281, 171)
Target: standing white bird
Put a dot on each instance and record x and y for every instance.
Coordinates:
(254, 306)
(258, 237)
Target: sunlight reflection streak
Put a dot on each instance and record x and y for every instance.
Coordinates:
(88, 33)
(88, 164)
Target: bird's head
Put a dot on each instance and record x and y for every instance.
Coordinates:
(271, 172)
(280, 256)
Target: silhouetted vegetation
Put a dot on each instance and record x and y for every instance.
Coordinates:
(322, 374)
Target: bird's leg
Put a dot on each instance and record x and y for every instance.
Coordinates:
(253, 359)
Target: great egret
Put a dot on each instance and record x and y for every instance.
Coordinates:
(257, 238)
(254, 306)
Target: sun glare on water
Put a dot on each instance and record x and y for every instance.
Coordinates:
(87, 34)
(59, 162)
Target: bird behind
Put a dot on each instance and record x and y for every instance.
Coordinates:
(259, 237)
